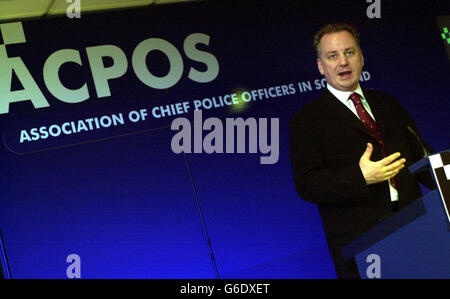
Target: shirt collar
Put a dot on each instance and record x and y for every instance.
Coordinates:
(343, 96)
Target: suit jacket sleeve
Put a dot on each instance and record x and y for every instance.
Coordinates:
(313, 180)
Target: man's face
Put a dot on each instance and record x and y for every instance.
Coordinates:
(340, 61)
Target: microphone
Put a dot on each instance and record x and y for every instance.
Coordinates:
(426, 153)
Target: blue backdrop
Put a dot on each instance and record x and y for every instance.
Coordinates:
(130, 207)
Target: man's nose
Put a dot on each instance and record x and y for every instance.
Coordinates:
(343, 60)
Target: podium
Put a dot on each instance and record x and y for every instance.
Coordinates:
(414, 242)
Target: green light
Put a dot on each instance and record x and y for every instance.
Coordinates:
(444, 35)
(241, 105)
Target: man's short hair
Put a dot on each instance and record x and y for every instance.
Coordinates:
(331, 28)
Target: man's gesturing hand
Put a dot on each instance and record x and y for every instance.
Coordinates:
(379, 171)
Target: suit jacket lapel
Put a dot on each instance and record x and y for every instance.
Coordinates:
(338, 112)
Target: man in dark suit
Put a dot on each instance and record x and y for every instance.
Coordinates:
(350, 146)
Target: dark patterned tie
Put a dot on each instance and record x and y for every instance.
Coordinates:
(371, 125)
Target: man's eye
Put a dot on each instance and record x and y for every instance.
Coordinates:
(350, 53)
(332, 56)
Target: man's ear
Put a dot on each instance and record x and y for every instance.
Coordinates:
(320, 66)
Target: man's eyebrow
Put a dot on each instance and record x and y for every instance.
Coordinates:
(334, 51)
